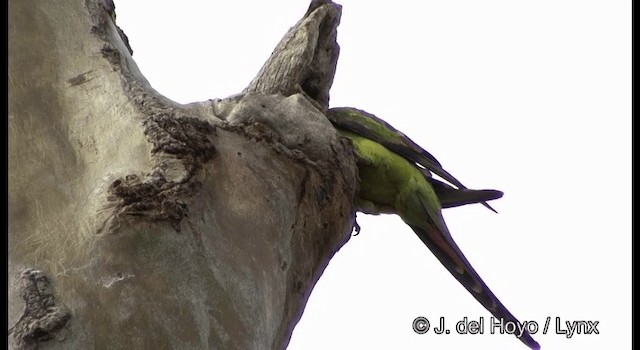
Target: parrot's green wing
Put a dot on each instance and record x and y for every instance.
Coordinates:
(375, 129)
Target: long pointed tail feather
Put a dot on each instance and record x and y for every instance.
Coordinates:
(471, 281)
(450, 196)
(437, 238)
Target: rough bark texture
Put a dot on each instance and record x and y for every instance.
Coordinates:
(136, 222)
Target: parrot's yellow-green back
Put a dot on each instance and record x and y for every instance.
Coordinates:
(384, 176)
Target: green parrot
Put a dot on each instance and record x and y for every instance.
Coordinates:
(395, 178)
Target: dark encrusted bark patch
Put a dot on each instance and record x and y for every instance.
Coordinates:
(42, 319)
(184, 137)
(154, 197)
(111, 54)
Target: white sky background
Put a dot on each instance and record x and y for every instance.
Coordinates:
(529, 97)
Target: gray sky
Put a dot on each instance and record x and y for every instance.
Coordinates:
(529, 97)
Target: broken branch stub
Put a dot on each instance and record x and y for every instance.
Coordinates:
(305, 59)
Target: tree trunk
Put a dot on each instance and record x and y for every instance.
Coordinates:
(137, 222)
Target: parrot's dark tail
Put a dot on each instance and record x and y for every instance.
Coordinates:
(450, 196)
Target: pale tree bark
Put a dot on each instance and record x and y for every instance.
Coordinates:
(139, 223)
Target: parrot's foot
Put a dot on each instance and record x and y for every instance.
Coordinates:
(356, 227)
